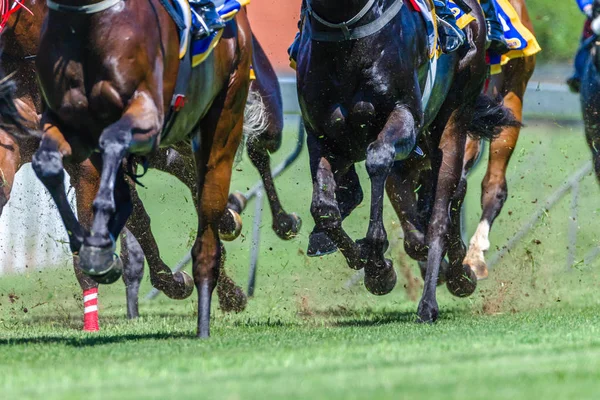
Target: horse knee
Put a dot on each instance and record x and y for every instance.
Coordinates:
(48, 165)
(380, 158)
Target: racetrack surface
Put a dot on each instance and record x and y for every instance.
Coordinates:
(531, 329)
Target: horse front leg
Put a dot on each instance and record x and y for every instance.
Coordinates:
(398, 137)
(113, 205)
(324, 206)
(47, 163)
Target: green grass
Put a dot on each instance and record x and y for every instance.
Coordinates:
(531, 329)
(557, 26)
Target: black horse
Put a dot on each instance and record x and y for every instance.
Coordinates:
(369, 90)
(590, 95)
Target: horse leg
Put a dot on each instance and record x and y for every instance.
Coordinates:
(397, 137)
(449, 169)
(348, 194)
(180, 163)
(47, 164)
(460, 279)
(410, 197)
(324, 206)
(221, 133)
(494, 190)
(113, 203)
(133, 271)
(177, 285)
(85, 179)
(285, 225)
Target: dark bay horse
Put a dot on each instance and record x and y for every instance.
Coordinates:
(590, 97)
(362, 70)
(108, 80)
(511, 84)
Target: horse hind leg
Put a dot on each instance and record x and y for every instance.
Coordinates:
(494, 189)
(133, 271)
(177, 285)
(263, 126)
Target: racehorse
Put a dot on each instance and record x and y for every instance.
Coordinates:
(511, 84)
(362, 76)
(271, 134)
(590, 96)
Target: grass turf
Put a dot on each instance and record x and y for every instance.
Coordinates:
(531, 329)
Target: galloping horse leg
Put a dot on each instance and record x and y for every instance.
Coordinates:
(411, 196)
(220, 135)
(176, 286)
(180, 163)
(85, 179)
(397, 138)
(267, 141)
(47, 163)
(349, 195)
(324, 206)
(449, 165)
(133, 270)
(494, 190)
(460, 280)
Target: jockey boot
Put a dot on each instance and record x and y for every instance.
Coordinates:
(451, 37)
(495, 31)
(209, 19)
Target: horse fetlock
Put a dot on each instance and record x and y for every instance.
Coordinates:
(287, 226)
(230, 225)
(380, 278)
(380, 157)
(428, 310)
(48, 166)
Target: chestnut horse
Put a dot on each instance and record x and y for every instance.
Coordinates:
(511, 84)
(363, 86)
(268, 140)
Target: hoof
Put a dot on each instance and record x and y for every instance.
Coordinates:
(237, 202)
(427, 312)
(380, 281)
(113, 274)
(290, 226)
(97, 261)
(231, 297)
(184, 286)
(462, 284)
(479, 268)
(319, 245)
(230, 226)
(444, 267)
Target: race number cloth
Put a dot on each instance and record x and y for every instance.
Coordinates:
(521, 41)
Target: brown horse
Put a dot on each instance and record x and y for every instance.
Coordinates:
(511, 85)
(22, 43)
(108, 78)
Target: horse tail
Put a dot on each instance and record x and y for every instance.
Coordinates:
(256, 120)
(256, 116)
(10, 119)
(490, 117)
